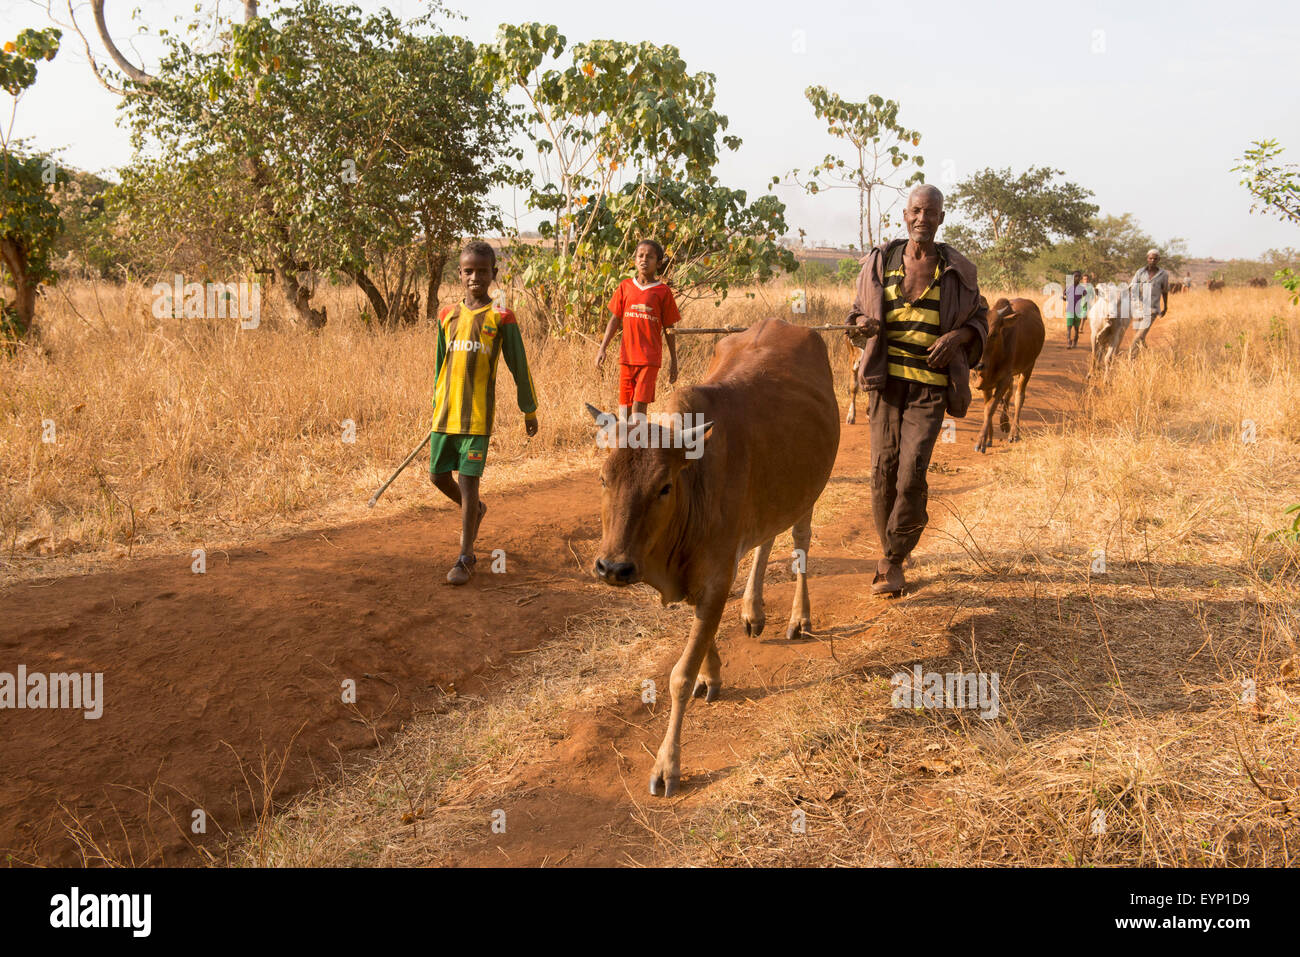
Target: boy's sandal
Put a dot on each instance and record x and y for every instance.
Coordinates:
(461, 571)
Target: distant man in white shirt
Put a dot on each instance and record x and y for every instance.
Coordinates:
(1150, 298)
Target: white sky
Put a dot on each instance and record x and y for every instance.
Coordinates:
(1152, 125)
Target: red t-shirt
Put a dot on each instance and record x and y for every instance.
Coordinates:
(646, 311)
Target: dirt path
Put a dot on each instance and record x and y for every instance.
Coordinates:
(582, 803)
(210, 680)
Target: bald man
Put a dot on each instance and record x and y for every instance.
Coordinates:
(919, 314)
(1150, 297)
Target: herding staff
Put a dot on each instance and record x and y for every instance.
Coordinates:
(718, 330)
(414, 452)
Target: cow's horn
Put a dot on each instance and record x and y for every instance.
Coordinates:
(690, 437)
(600, 417)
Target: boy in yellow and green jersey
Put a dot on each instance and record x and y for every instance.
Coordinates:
(472, 335)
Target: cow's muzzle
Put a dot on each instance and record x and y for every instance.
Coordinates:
(616, 573)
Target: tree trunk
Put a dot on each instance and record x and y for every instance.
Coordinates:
(372, 293)
(398, 309)
(298, 295)
(24, 305)
(435, 259)
(286, 268)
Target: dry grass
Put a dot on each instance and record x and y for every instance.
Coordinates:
(176, 433)
(1124, 693)
(1121, 692)
(432, 790)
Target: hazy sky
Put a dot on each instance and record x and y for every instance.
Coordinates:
(1146, 104)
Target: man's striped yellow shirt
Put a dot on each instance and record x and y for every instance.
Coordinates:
(469, 343)
(912, 327)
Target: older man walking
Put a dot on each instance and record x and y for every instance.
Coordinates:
(919, 314)
(1150, 297)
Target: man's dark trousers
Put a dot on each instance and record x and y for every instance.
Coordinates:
(906, 418)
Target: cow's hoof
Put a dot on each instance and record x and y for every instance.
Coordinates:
(850, 419)
(754, 624)
(1014, 438)
(709, 692)
(799, 630)
(663, 783)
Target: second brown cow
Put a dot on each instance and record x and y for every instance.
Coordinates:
(1016, 336)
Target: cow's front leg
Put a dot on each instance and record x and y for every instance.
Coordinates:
(800, 615)
(1022, 385)
(668, 764)
(751, 612)
(985, 438)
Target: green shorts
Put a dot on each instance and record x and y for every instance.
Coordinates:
(1071, 321)
(466, 454)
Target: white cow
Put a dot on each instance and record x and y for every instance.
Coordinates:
(1108, 319)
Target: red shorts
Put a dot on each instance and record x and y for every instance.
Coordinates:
(636, 383)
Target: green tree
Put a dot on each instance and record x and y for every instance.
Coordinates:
(627, 140)
(80, 249)
(29, 219)
(1013, 218)
(360, 147)
(1276, 188)
(160, 219)
(846, 272)
(1112, 248)
(877, 169)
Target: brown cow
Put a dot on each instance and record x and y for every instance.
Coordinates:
(1214, 285)
(1259, 282)
(766, 427)
(1175, 287)
(1016, 335)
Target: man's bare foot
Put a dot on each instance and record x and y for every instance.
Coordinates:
(460, 572)
(889, 581)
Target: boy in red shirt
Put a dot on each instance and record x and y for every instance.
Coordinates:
(643, 308)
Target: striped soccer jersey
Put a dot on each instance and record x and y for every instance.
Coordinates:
(911, 328)
(469, 343)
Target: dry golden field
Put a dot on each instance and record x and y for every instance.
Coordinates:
(172, 432)
(1163, 693)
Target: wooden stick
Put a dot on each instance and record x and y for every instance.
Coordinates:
(721, 330)
(414, 452)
